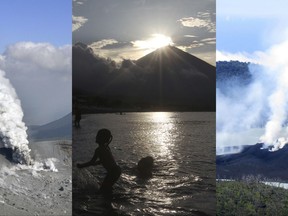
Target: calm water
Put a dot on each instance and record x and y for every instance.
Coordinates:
(183, 146)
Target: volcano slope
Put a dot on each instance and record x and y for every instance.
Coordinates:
(254, 160)
(167, 78)
(45, 187)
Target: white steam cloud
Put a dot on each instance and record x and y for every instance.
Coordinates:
(12, 129)
(278, 100)
(258, 111)
(41, 75)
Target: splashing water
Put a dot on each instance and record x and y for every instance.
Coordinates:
(12, 129)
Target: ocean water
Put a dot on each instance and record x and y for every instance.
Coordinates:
(183, 148)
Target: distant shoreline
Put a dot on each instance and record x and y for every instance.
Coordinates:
(94, 110)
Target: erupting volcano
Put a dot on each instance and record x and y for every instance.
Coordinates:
(12, 129)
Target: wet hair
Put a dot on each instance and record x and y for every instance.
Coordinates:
(104, 135)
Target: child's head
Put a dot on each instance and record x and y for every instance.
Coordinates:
(104, 136)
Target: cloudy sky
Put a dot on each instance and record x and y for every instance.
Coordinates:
(247, 28)
(133, 28)
(35, 53)
(254, 31)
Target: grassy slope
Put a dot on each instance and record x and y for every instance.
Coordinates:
(250, 197)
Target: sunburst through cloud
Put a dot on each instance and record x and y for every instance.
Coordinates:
(154, 42)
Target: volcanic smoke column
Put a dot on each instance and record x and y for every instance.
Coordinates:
(278, 100)
(12, 129)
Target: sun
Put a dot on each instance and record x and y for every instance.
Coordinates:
(159, 40)
(154, 42)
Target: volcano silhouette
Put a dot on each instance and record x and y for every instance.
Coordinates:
(168, 79)
(172, 58)
(253, 160)
(180, 78)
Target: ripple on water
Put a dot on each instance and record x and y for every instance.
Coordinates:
(182, 145)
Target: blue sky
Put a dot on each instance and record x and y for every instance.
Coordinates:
(250, 26)
(35, 53)
(37, 21)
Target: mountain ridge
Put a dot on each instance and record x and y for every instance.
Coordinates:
(253, 160)
(58, 129)
(177, 80)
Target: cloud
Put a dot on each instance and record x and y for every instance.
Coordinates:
(135, 49)
(116, 50)
(193, 22)
(111, 48)
(77, 22)
(255, 57)
(197, 49)
(209, 40)
(37, 55)
(261, 98)
(194, 44)
(190, 36)
(203, 49)
(76, 2)
(131, 80)
(102, 43)
(41, 75)
(202, 20)
(155, 41)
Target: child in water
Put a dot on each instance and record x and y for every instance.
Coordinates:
(103, 152)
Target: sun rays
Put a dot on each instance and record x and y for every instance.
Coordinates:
(154, 42)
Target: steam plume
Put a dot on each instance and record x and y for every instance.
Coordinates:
(12, 129)
(257, 111)
(278, 100)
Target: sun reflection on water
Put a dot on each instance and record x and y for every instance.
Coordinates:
(163, 134)
(160, 117)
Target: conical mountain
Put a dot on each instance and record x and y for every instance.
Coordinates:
(166, 79)
(58, 129)
(181, 77)
(170, 57)
(254, 160)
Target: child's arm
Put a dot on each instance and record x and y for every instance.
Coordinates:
(91, 162)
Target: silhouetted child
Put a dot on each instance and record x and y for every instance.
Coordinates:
(104, 154)
(77, 117)
(145, 166)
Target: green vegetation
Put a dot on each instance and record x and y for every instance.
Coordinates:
(250, 197)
